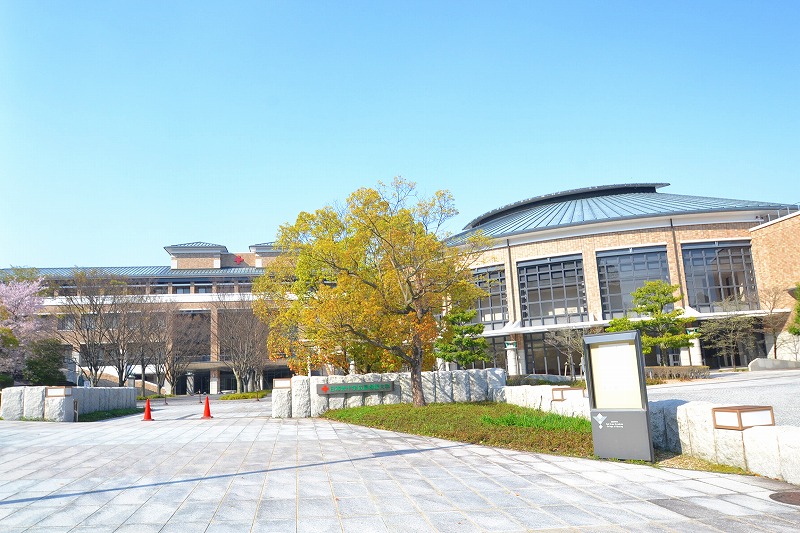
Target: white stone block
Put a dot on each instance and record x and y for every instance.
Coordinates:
(701, 430)
(460, 385)
(658, 428)
(301, 397)
(356, 399)
(58, 409)
(404, 379)
(539, 397)
(444, 386)
(429, 386)
(514, 395)
(12, 403)
(729, 444)
(33, 406)
(372, 398)
(281, 403)
(789, 448)
(393, 397)
(761, 450)
(496, 378)
(319, 402)
(102, 398)
(336, 401)
(478, 386)
(683, 433)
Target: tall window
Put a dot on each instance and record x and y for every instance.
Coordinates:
(540, 357)
(492, 309)
(623, 271)
(552, 291)
(717, 272)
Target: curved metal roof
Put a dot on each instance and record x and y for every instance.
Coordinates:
(599, 204)
(152, 272)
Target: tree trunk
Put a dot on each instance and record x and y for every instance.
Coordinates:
(141, 362)
(417, 394)
(238, 382)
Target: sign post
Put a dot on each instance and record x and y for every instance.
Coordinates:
(618, 396)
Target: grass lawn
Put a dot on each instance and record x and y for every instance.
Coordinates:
(504, 426)
(492, 424)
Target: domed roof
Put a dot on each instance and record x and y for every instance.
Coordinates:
(599, 204)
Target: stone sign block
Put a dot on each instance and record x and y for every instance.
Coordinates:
(301, 397)
(13, 401)
(393, 396)
(761, 450)
(478, 386)
(319, 402)
(444, 386)
(336, 401)
(33, 406)
(281, 403)
(460, 385)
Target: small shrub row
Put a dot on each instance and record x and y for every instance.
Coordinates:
(677, 372)
(245, 395)
(516, 381)
(141, 398)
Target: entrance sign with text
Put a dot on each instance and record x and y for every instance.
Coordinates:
(349, 388)
(618, 396)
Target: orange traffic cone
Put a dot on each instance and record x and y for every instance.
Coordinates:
(207, 411)
(147, 416)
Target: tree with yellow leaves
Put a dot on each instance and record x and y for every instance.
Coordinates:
(371, 277)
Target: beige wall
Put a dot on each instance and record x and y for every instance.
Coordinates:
(588, 245)
(775, 257)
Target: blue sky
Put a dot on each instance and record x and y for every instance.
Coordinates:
(128, 126)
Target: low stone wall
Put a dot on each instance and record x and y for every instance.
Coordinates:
(302, 400)
(32, 403)
(688, 427)
(763, 363)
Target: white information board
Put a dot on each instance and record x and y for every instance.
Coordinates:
(615, 370)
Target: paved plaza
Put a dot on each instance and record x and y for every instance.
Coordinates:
(244, 471)
(778, 388)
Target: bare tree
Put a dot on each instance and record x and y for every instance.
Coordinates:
(183, 338)
(772, 300)
(569, 343)
(242, 339)
(86, 317)
(731, 334)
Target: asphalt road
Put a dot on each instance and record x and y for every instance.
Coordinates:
(778, 388)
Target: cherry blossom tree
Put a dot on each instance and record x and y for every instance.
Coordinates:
(19, 322)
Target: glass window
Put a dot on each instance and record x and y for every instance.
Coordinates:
(541, 357)
(66, 323)
(621, 272)
(719, 272)
(492, 308)
(181, 289)
(552, 291)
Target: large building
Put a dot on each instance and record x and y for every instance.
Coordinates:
(572, 259)
(558, 261)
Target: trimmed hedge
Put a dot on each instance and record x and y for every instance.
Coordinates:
(677, 372)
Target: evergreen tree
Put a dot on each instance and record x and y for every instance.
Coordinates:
(461, 340)
(659, 328)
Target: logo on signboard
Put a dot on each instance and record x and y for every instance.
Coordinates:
(600, 419)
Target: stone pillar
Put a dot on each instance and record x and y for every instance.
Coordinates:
(214, 382)
(512, 359)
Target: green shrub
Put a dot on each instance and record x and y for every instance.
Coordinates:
(676, 372)
(6, 380)
(245, 395)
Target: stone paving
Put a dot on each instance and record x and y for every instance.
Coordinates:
(778, 388)
(243, 471)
